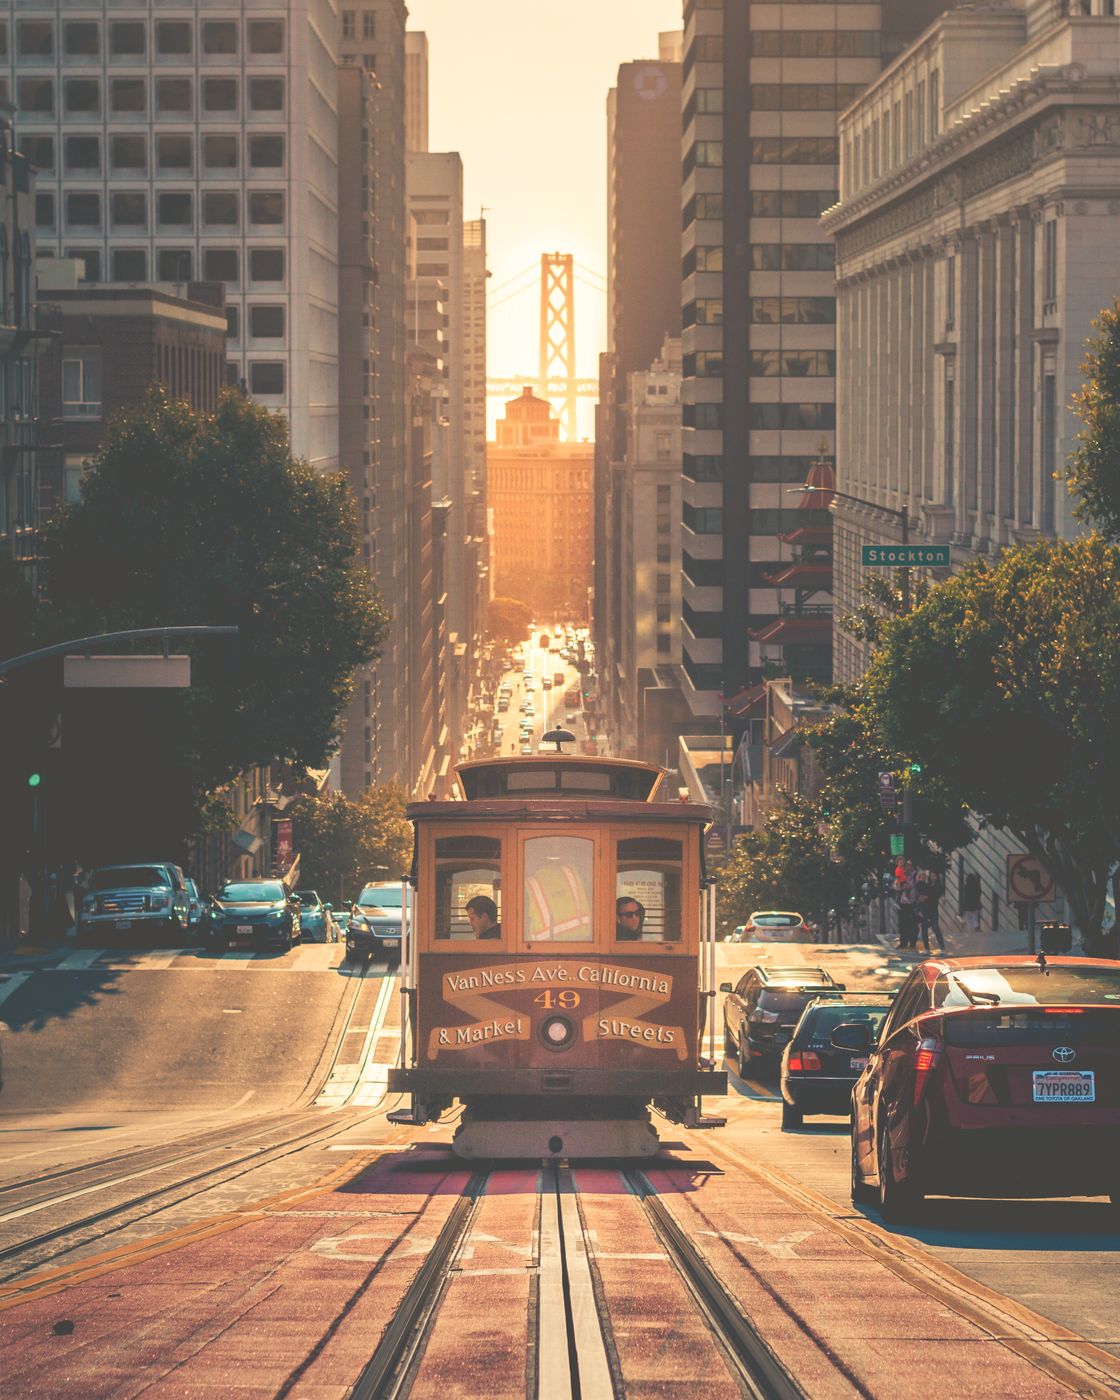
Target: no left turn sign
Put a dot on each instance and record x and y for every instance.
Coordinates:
(1028, 880)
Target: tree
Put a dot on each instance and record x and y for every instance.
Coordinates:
(508, 621)
(193, 518)
(1006, 681)
(1093, 472)
(786, 864)
(851, 753)
(343, 844)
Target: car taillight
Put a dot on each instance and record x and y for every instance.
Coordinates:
(803, 1061)
(925, 1062)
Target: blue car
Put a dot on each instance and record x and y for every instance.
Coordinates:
(315, 918)
(255, 914)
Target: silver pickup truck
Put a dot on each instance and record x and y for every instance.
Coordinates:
(140, 901)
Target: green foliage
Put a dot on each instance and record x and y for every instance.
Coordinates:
(1006, 682)
(508, 621)
(786, 864)
(851, 753)
(343, 844)
(882, 597)
(1093, 472)
(187, 518)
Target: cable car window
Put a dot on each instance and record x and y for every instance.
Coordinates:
(468, 887)
(586, 781)
(535, 781)
(558, 889)
(648, 890)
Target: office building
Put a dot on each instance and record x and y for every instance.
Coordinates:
(198, 145)
(416, 90)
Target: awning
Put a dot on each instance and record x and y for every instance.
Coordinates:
(788, 744)
(808, 630)
(802, 575)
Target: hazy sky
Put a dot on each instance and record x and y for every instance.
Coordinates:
(519, 89)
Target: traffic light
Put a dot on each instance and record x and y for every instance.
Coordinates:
(34, 779)
(915, 768)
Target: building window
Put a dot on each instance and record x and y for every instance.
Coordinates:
(128, 96)
(803, 97)
(369, 62)
(82, 96)
(266, 94)
(83, 210)
(266, 322)
(793, 257)
(219, 94)
(81, 384)
(44, 211)
(129, 153)
(791, 204)
(266, 36)
(83, 154)
(949, 428)
(128, 209)
(1048, 426)
(792, 417)
(221, 265)
(174, 38)
(36, 38)
(793, 364)
(128, 38)
(815, 43)
(266, 377)
(664, 552)
(950, 293)
(266, 207)
(219, 36)
(39, 150)
(36, 95)
(266, 152)
(82, 39)
(1050, 264)
(664, 584)
(795, 150)
(368, 25)
(174, 265)
(219, 209)
(233, 322)
(798, 311)
(266, 264)
(174, 96)
(220, 152)
(130, 265)
(174, 153)
(702, 520)
(348, 24)
(175, 210)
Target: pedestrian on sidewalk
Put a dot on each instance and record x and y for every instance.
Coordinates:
(971, 902)
(930, 889)
(907, 893)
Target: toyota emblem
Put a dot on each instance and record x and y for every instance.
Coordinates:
(1064, 1054)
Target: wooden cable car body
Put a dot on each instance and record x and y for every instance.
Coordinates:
(560, 1026)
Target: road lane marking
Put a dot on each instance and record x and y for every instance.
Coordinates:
(13, 984)
(76, 962)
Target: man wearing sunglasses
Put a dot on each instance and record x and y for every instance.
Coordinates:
(629, 915)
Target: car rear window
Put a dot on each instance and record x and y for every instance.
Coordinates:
(1027, 1027)
(775, 920)
(1028, 985)
(309, 899)
(264, 893)
(823, 1020)
(126, 876)
(791, 999)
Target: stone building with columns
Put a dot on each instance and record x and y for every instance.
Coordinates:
(976, 239)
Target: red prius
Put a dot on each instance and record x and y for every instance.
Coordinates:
(990, 1077)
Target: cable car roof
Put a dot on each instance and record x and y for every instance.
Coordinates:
(560, 775)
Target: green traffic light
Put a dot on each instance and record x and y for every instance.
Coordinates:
(915, 768)
(34, 779)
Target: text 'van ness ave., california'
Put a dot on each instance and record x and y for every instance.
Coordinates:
(557, 974)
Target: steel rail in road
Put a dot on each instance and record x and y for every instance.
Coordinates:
(763, 1376)
(219, 1173)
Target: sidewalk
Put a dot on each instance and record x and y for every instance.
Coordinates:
(962, 944)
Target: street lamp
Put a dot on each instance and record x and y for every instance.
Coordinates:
(902, 516)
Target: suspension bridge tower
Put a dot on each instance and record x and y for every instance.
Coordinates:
(558, 337)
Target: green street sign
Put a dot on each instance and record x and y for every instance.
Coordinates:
(906, 556)
(898, 845)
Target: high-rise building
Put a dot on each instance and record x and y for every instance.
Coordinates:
(376, 746)
(540, 494)
(416, 90)
(763, 87)
(475, 276)
(643, 307)
(198, 145)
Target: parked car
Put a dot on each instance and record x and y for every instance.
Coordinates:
(196, 908)
(760, 1012)
(558, 678)
(816, 1077)
(376, 922)
(254, 914)
(775, 926)
(341, 922)
(147, 900)
(315, 918)
(990, 1077)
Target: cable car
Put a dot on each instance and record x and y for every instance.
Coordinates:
(559, 967)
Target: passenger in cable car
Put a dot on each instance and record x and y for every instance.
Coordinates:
(630, 915)
(482, 913)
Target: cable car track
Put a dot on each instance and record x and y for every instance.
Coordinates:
(295, 1136)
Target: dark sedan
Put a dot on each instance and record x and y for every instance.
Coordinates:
(760, 1012)
(254, 914)
(816, 1077)
(990, 1077)
(376, 921)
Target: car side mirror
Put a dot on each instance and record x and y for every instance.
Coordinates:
(852, 1035)
(329, 907)
(725, 986)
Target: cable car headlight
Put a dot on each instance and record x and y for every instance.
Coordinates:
(557, 1033)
